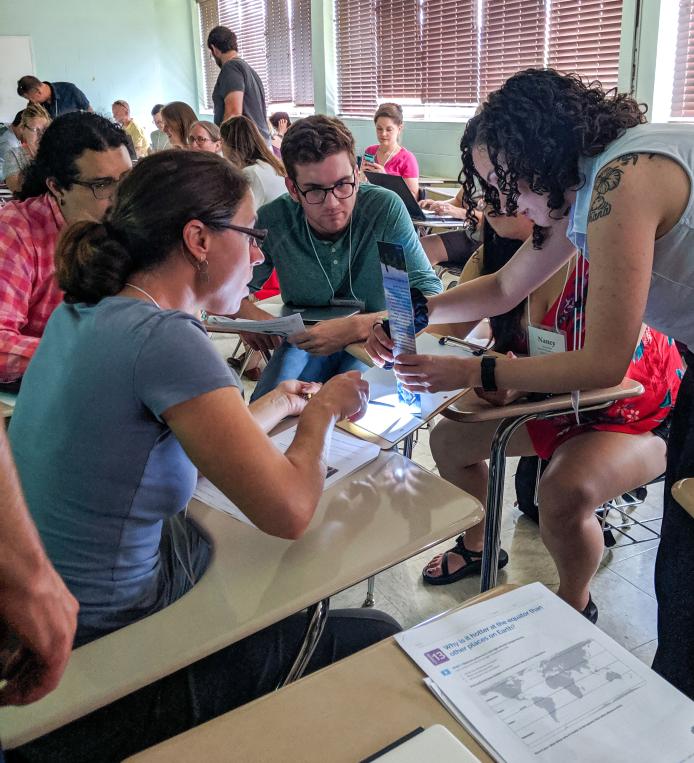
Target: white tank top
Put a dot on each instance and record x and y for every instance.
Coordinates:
(670, 306)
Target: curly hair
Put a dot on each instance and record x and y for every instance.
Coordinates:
(536, 128)
(64, 141)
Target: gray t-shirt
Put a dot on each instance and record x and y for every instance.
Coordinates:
(100, 468)
(8, 141)
(237, 75)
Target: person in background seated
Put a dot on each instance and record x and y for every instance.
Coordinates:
(178, 118)
(388, 155)
(80, 161)
(33, 124)
(205, 136)
(610, 452)
(158, 141)
(121, 114)
(10, 138)
(36, 607)
(143, 405)
(453, 246)
(244, 146)
(322, 239)
(280, 123)
(56, 97)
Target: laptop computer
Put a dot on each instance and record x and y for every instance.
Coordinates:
(396, 184)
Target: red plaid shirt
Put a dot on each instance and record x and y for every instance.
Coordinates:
(29, 232)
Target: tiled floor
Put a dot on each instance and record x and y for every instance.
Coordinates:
(622, 588)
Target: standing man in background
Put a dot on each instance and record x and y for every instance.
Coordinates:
(56, 97)
(239, 90)
(121, 114)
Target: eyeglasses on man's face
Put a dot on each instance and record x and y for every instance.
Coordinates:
(343, 189)
(37, 131)
(103, 188)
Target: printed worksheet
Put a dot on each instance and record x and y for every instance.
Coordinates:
(345, 455)
(534, 680)
(286, 326)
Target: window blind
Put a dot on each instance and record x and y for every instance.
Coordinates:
(302, 56)
(274, 37)
(279, 59)
(455, 52)
(450, 61)
(512, 38)
(207, 12)
(356, 56)
(584, 37)
(398, 51)
(683, 82)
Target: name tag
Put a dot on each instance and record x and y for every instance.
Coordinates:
(543, 341)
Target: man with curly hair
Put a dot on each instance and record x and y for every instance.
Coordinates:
(80, 160)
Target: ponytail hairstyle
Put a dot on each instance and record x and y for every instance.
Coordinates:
(536, 127)
(145, 224)
(64, 141)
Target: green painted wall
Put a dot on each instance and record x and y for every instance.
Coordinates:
(138, 50)
(435, 144)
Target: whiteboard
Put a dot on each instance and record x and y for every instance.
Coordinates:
(17, 61)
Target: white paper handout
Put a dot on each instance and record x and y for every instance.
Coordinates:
(534, 680)
(345, 455)
(286, 326)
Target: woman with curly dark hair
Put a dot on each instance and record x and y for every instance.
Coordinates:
(584, 166)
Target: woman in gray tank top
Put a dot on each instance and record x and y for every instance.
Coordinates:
(585, 167)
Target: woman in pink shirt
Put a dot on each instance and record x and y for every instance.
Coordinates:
(388, 155)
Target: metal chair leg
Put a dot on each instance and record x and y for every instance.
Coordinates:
(317, 616)
(495, 498)
(408, 445)
(370, 600)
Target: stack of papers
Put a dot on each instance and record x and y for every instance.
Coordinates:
(345, 455)
(286, 326)
(532, 680)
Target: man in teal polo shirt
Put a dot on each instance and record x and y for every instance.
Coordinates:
(322, 241)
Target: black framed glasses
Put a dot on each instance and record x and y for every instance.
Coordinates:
(102, 189)
(341, 190)
(256, 236)
(199, 140)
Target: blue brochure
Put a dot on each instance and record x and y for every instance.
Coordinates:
(396, 286)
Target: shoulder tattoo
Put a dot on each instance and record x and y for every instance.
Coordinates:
(607, 180)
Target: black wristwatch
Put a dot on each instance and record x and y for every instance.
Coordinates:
(488, 375)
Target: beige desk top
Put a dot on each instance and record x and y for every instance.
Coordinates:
(384, 513)
(340, 714)
(472, 408)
